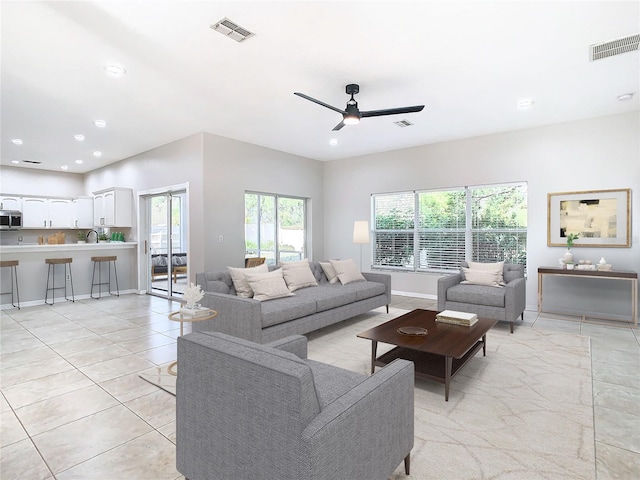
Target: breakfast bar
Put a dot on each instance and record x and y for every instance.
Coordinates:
(33, 269)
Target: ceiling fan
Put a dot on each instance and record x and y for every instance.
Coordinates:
(351, 115)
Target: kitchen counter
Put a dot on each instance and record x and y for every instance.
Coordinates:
(64, 247)
(32, 269)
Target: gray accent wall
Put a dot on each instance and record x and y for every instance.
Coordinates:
(595, 154)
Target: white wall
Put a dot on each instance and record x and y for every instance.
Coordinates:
(179, 162)
(231, 168)
(30, 181)
(594, 154)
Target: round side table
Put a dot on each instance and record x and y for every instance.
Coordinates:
(182, 318)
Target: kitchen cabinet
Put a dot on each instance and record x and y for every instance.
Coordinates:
(10, 203)
(82, 212)
(46, 212)
(113, 207)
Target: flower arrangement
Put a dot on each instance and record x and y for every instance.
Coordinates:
(570, 239)
(193, 294)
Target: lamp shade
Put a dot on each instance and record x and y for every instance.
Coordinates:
(361, 231)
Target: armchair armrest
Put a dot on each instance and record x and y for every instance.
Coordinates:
(237, 316)
(515, 296)
(367, 429)
(445, 283)
(296, 344)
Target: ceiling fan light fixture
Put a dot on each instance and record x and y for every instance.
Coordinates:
(351, 120)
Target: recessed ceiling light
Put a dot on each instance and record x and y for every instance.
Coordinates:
(525, 103)
(79, 162)
(15, 162)
(333, 141)
(97, 153)
(17, 141)
(115, 70)
(64, 167)
(79, 137)
(625, 96)
(100, 123)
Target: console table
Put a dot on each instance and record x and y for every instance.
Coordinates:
(629, 275)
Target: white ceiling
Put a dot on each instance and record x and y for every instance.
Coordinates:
(468, 62)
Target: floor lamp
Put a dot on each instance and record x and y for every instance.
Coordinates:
(361, 235)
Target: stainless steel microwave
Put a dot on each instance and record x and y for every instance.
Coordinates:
(10, 220)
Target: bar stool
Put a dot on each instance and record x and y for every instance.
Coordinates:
(12, 264)
(98, 261)
(51, 276)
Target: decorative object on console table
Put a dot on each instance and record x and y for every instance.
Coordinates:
(361, 235)
(568, 256)
(602, 218)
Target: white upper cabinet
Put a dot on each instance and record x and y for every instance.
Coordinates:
(10, 203)
(46, 212)
(113, 207)
(82, 212)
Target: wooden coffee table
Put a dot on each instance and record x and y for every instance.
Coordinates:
(439, 355)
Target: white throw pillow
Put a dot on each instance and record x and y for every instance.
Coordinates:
(238, 276)
(347, 271)
(330, 272)
(267, 286)
(481, 277)
(298, 275)
(496, 266)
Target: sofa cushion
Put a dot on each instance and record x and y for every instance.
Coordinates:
(330, 272)
(347, 271)
(298, 275)
(332, 382)
(491, 278)
(238, 276)
(159, 260)
(477, 295)
(268, 286)
(285, 309)
(329, 296)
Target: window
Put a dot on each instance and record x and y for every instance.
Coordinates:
(436, 230)
(275, 227)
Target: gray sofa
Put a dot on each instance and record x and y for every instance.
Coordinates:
(499, 303)
(249, 411)
(309, 309)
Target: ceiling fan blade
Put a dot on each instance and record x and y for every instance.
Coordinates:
(338, 126)
(335, 109)
(392, 111)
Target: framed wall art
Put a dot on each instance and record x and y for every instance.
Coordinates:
(601, 218)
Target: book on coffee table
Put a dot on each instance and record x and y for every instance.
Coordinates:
(457, 318)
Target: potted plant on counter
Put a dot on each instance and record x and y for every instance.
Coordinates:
(103, 238)
(81, 237)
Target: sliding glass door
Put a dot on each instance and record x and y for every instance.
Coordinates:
(168, 243)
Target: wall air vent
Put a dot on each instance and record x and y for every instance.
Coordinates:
(232, 30)
(403, 123)
(614, 47)
(34, 162)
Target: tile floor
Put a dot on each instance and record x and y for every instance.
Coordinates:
(73, 406)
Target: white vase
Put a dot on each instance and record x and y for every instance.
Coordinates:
(568, 256)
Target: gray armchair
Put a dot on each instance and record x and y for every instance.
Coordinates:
(504, 304)
(248, 411)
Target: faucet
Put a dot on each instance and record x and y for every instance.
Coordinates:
(89, 233)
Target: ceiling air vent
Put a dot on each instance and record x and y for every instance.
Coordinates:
(232, 30)
(34, 162)
(403, 123)
(614, 47)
